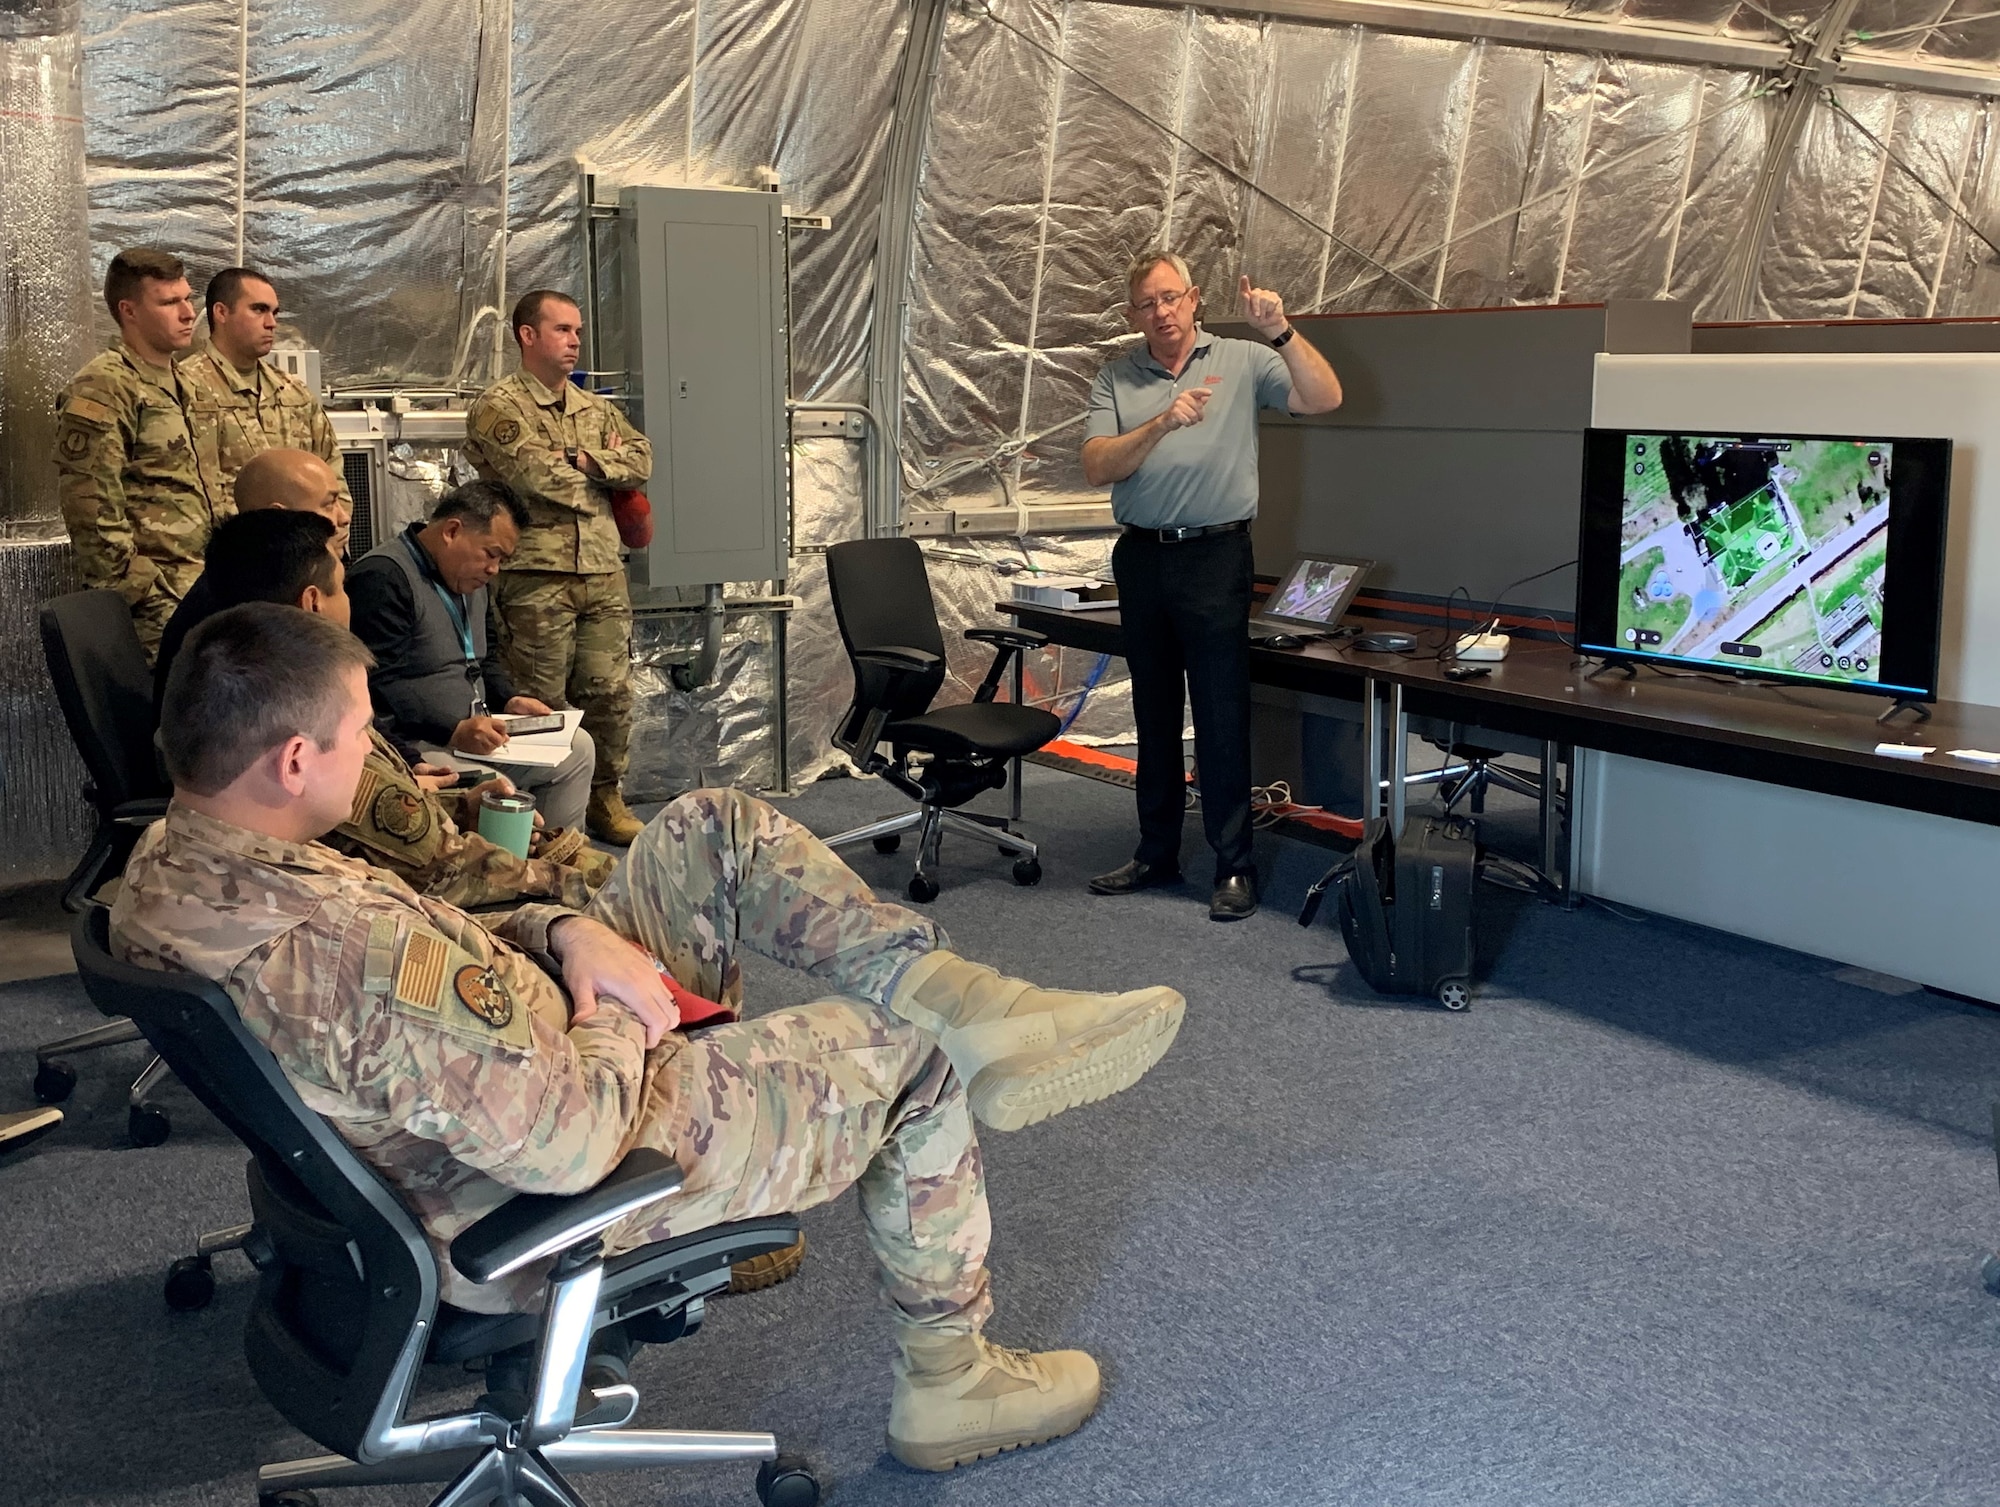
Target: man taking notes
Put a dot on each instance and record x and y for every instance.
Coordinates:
(1172, 429)
(420, 605)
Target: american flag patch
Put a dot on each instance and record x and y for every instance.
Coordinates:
(420, 980)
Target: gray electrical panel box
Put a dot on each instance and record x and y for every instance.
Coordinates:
(704, 302)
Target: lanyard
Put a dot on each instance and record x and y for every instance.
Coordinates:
(456, 609)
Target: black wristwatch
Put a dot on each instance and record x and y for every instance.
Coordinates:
(1289, 332)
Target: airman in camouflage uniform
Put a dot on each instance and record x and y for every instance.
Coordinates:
(448, 1054)
(430, 840)
(239, 404)
(564, 613)
(135, 497)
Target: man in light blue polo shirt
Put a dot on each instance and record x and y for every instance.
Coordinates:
(1173, 429)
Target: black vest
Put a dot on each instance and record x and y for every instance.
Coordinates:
(441, 693)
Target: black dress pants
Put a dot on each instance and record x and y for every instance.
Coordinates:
(1185, 608)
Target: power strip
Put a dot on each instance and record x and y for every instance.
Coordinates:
(1476, 646)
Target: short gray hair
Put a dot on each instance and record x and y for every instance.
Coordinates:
(1146, 261)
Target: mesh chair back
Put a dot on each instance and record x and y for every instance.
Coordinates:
(352, 1275)
(882, 599)
(105, 691)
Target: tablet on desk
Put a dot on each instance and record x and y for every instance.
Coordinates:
(1312, 598)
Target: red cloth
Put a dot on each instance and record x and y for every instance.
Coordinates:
(695, 1011)
(634, 516)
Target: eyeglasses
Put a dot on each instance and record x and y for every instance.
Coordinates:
(1167, 301)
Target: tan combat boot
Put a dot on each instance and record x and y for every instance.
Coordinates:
(755, 1273)
(1026, 1053)
(959, 1398)
(608, 820)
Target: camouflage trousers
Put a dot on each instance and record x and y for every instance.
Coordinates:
(790, 1109)
(567, 641)
(155, 604)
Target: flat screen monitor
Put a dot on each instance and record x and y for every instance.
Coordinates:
(1316, 591)
(1807, 557)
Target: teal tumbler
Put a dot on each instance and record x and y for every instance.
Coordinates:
(507, 821)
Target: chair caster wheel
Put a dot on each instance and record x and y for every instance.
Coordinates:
(923, 889)
(1028, 871)
(291, 1496)
(1455, 994)
(787, 1481)
(190, 1284)
(890, 843)
(147, 1125)
(54, 1082)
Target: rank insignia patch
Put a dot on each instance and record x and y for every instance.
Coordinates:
(480, 990)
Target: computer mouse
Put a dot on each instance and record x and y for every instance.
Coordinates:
(1281, 641)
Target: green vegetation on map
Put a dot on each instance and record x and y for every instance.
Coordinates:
(1857, 575)
(1646, 489)
(1785, 632)
(1826, 492)
(1748, 537)
(1665, 617)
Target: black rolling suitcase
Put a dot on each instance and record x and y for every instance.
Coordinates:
(1406, 912)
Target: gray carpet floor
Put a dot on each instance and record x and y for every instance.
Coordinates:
(1668, 1217)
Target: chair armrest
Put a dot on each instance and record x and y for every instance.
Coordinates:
(535, 1225)
(897, 657)
(140, 813)
(1007, 643)
(1007, 638)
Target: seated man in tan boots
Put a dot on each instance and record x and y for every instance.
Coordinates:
(467, 1065)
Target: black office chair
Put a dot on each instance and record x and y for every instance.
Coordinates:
(939, 757)
(105, 690)
(1470, 770)
(347, 1311)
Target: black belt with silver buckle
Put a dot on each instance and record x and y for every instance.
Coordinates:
(1176, 535)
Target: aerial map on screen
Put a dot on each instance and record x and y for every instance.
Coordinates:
(1312, 591)
(1756, 553)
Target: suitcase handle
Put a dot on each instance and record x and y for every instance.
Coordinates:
(1318, 892)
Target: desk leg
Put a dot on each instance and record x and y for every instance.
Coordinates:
(1548, 811)
(1399, 757)
(1575, 803)
(1020, 692)
(1371, 751)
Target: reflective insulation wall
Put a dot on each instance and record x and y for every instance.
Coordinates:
(404, 170)
(44, 319)
(1392, 172)
(1397, 172)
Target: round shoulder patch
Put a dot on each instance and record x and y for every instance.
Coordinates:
(75, 442)
(402, 813)
(481, 990)
(506, 432)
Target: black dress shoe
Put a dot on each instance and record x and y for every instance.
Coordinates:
(1133, 877)
(1235, 897)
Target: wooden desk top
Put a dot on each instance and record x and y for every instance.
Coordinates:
(1799, 736)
